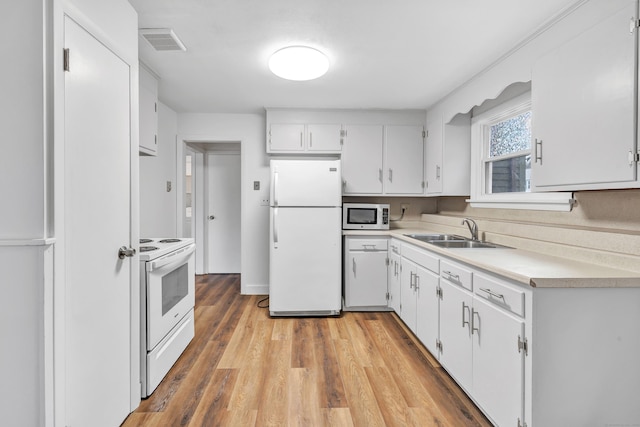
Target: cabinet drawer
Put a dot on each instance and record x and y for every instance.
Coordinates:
(500, 293)
(394, 246)
(367, 244)
(456, 274)
(421, 257)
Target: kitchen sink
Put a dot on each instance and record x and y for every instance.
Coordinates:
(436, 237)
(454, 244)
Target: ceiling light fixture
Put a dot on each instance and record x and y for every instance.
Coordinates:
(299, 63)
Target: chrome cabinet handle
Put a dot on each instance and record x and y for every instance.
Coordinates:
(301, 136)
(353, 260)
(493, 294)
(310, 139)
(211, 217)
(124, 252)
(536, 151)
(437, 172)
(369, 247)
(380, 174)
(473, 327)
(390, 175)
(411, 280)
(464, 307)
(452, 276)
(417, 285)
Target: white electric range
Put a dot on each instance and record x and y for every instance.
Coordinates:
(167, 285)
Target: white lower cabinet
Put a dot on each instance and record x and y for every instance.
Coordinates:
(534, 356)
(498, 363)
(365, 273)
(393, 276)
(455, 332)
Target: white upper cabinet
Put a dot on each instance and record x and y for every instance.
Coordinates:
(584, 114)
(148, 144)
(324, 138)
(362, 159)
(286, 137)
(448, 155)
(404, 154)
(298, 138)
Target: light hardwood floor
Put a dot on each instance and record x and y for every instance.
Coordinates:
(244, 368)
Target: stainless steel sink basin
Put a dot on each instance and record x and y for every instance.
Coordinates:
(454, 244)
(435, 237)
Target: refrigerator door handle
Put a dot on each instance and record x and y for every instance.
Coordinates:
(275, 186)
(275, 226)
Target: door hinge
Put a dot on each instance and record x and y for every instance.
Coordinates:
(65, 59)
(387, 261)
(439, 292)
(633, 24)
(523, 345)
(388, 296)
(521, 423)
(423, 184)
(439, 344)
(425, 133)
(633, 157)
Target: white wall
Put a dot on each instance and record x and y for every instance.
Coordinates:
(249, 129)
(157, 206)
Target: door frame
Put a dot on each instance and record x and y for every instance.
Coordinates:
(199, 144)
(56, 398)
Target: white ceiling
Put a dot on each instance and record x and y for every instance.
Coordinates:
(403, 54)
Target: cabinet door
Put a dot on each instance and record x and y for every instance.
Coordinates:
(362, 160)
(433, 144)
(427, 312)
(408, 293)
(455, 332)
(286, 137)
(325, 138)
(404, 160)
(393, 282)
(583, 96)
(148, 121)
(367, 279)
(498, 365)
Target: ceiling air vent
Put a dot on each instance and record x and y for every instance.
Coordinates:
(162, 39)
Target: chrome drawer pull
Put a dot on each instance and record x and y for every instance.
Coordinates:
(464, 307)
(493, 294)
(452, 276)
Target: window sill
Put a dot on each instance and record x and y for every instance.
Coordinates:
(562, 202)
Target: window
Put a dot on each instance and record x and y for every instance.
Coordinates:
(501, 160)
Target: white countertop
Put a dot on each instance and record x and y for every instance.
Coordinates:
(530, 268)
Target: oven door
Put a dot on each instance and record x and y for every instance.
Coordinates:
(170, 292)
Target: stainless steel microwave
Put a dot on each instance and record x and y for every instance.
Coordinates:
(362, 216)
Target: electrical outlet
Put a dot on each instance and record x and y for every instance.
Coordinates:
(404, 206)
(256, 185)
(264, 202)
(168, 186)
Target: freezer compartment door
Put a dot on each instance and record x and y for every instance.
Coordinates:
(305, 261)
(306, 183)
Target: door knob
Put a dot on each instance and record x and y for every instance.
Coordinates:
(212, 217)
(126, 252)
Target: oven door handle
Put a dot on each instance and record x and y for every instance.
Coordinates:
(172, 258)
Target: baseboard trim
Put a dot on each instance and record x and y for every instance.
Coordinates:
(254, 289)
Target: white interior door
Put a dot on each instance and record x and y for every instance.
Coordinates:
(97, 223)
(223, 214)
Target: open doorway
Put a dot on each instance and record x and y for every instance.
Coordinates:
(212, 203)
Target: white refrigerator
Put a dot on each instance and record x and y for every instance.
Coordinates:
(305, 238)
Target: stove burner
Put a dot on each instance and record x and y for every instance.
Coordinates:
(170, 241)
(145, 240)
(148, 248)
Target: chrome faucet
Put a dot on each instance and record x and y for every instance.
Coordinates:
(473, 227)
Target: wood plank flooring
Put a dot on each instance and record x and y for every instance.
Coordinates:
(244, 368)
